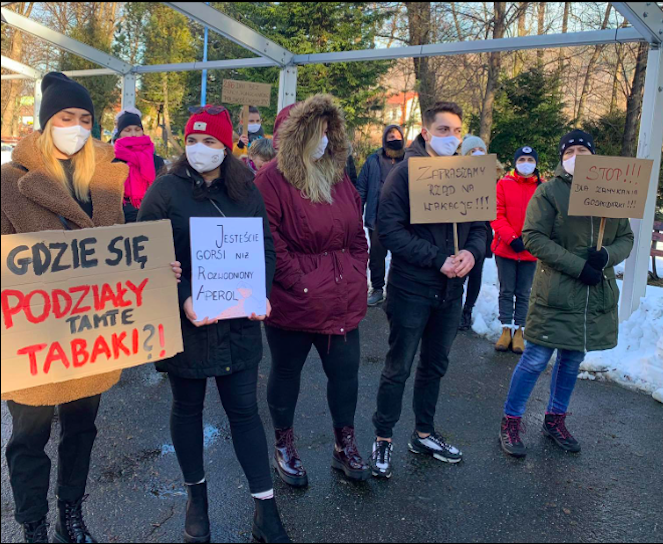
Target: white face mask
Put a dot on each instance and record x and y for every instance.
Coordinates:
(322, 147)
(569, 165)
(526, 168)
(254, 127)
(204, 159)
(70, 140)
(476, 153)
(444, 146)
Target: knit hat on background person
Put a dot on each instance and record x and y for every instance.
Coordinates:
(58, 93)
(471, 142)
(128, 120)
(526, 151)
(576, 137)
(218, 125)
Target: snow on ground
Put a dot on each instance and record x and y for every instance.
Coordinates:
(637, 361)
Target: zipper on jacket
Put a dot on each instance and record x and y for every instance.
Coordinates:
(591, 220)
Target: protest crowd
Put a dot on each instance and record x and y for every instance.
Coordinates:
(325, 235)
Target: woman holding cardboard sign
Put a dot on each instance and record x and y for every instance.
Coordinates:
(574, 298)
(208, 181)
(320, 284)
(59, 178)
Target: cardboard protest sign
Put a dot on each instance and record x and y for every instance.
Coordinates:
(452, 189)
(614, 187)
(246, 93)
(228, 267)
(84, 302)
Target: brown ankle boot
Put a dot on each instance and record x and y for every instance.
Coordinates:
(346, 456)
(518, 343)
(504, 343)
(287, 463)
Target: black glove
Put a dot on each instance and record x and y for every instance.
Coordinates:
(517, 245)
(598, 259)
(590, 276)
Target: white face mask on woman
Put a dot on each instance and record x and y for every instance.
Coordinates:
(526, 168)
(204, 159)
(570, 165)
(444, 146)
(70, 140)
(322, 147)
(477, 153)
(254, 127)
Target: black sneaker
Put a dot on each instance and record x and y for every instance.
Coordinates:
(376, 297)
(554, 426)
(435, 446)
(381, 459)
(510, 437)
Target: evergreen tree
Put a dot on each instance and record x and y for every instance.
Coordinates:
(528, 111)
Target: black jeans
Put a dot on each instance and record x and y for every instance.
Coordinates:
(30, 467)
(340, 361)
(240, 401)
(516, 279)
(412, 319)
(474, 279)
(377, 260)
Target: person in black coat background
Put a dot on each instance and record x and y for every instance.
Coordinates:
(208, 181)
(371, 180)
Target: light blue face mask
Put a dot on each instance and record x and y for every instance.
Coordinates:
(445, 146)
(526, 168)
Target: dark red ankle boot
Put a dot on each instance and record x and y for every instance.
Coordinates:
(287, 463)
(346, 456)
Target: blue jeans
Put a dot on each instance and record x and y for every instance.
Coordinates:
(533, 362)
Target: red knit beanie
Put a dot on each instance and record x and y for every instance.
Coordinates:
(219, 125)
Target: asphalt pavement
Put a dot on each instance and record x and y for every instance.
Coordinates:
(611, 492)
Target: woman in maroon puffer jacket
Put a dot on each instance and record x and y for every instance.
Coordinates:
(319, 292)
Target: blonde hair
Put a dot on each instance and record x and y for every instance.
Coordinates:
(83, 162)
(321, 173)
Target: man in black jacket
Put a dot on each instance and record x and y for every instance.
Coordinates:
(424, 300)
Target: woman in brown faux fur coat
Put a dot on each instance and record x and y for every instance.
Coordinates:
(319, 291)
(58, 178)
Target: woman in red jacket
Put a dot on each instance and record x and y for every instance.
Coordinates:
(320, 287)
(515, 265)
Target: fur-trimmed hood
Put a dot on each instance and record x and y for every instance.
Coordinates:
(291, 139)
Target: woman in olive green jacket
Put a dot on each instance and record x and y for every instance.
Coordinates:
(573, 307)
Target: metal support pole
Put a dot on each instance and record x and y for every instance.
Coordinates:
(203, 86)
(287, 87)
(36, 125)
(650, 142)
(129, 91)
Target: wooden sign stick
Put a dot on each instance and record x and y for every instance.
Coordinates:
(599, 244)
(456, 250)
(245, 121)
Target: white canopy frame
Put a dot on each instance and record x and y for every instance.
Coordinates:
(646, 19)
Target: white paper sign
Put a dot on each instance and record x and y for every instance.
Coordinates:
(228, 267)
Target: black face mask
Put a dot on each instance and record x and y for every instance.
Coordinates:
(395, 145)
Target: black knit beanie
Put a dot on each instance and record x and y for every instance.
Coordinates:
(576, 137)
(526, 151)
(128, 120)
(59, 93)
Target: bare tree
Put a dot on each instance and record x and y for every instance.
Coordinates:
(565, 28)
(494, 66)
(419, 17)
(541, 30)
(634, 103)
(590, 72)
(519, 61)
(12, 91)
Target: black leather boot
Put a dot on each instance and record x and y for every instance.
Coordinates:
(36, 531)
(196, 525)
(267, 526)
(70, 526)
